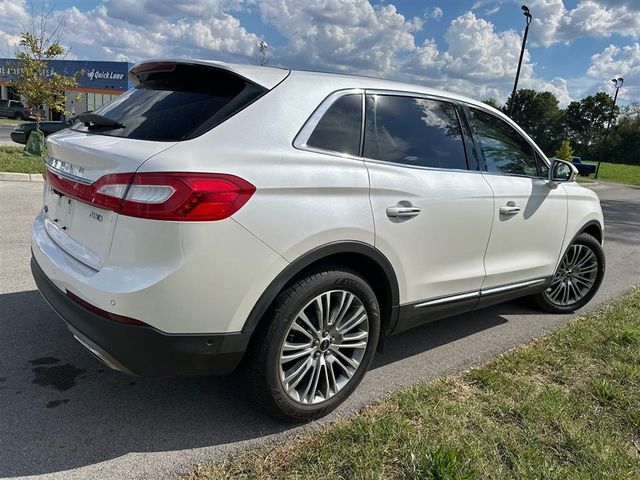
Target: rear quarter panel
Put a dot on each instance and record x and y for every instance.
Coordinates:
(303, 199)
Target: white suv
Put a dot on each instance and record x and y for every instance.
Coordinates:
(292, 220)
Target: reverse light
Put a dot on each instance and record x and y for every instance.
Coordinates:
(176, 196)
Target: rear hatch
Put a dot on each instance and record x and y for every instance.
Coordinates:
(90, 168)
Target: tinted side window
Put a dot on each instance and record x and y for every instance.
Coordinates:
(339, 128)
(505, 151)
(413, 131)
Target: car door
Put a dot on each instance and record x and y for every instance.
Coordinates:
(530, 214)
(432, 213)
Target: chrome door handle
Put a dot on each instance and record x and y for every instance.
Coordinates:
(509, 210)
(400, 211)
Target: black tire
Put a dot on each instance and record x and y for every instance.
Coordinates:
(544, 300)
(263, 356)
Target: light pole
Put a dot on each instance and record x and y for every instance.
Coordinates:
(617, 82)
(529, 17)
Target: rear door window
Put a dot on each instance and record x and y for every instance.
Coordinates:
(413, 131)
(176, 102)
(339, 128)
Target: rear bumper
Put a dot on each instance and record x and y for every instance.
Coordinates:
(141, 350)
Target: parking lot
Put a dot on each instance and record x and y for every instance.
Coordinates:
(64, 415)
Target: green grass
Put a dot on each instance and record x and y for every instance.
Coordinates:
(10, 121)
(619, 173)
(566, 406)
(12, 160)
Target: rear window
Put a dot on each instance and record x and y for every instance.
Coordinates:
(178, 103)
(339, 128)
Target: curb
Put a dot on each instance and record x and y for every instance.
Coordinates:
(21, 177)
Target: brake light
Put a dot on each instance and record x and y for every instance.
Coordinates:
(162, 196)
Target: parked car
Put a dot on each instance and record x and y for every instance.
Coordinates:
(15, 109)
(294, 220)
(584, 169)
(21, 132)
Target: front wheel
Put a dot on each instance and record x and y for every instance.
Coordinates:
(577, 278)
(315, 346)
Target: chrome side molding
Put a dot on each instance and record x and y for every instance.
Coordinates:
(480, 293)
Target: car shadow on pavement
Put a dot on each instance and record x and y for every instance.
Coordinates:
(61, 409)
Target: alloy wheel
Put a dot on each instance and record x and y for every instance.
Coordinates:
(324, 347)
(575, 277)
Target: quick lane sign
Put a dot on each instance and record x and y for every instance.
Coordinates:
(95, 75)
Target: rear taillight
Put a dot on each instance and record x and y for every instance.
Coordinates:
(162, 196)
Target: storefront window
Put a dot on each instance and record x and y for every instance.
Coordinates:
(96, 100)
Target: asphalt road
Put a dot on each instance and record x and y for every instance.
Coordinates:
(63, 415)
(5, 135)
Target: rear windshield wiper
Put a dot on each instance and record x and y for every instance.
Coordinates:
(96, 120)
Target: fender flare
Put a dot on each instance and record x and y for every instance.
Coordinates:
(587, 225)
(318, 253)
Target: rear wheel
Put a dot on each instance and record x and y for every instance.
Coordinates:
(577, 278)
(315, 346)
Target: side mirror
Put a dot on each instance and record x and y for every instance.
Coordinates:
(561, 171)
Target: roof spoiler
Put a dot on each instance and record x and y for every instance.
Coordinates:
(267, 77)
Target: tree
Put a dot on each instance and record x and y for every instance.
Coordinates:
(565, 152)
(35, 81)
(586, 120)
(623, 145)
(492, 102)
(538, 115)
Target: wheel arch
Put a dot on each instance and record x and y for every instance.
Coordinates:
(593, 228)
(358, 256)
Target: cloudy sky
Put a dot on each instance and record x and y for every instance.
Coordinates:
(471, 46)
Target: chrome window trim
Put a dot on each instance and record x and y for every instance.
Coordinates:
(420, 167)
(301, 139)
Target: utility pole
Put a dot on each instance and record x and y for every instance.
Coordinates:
(617, 82)
(528, 17)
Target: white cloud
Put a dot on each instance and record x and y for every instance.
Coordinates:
(340, 34)
(614, 62)
(138, 29)
(434, 14)
(478, 61)
(553, 22)
(359, 36)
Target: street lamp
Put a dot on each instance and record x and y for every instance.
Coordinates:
(617, 83)
(529, 17)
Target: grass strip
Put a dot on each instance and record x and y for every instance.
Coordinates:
(619, 173)
(13, 160)
(566, 406)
